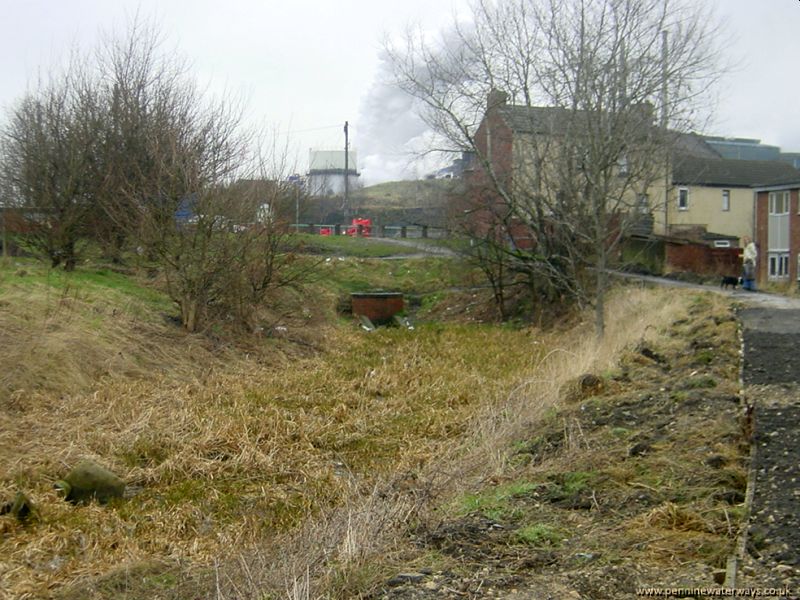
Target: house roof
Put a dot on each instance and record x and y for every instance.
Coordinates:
(695, 170)
(711, 236)
(552, 119)
(789, 182)
(695, 161)
(693, 145)
(534, 119)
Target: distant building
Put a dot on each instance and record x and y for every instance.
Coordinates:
(743, 148)
(326, 172)
(456, 169)
(710, 198)
(793, 158)
(750, 149)
(716, 196)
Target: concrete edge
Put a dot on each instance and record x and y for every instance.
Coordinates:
(732, 567)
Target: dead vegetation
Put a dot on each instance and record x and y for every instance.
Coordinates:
(640, 483)
(553, 483)
(301, 474)
(217, 456)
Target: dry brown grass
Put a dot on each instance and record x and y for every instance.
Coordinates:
(59, 336)
(672, 517)
(309, 466)
(314, 559)
(225, 455)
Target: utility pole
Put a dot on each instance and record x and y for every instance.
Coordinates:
(346, 203)
(5, 231)
(4, 205)
(297, 208)
(664, 120)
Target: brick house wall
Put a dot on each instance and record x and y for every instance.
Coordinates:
(762, 233)
(761, 217)
(494, 142)
(794, 233)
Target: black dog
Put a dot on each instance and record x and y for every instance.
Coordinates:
(729, 281)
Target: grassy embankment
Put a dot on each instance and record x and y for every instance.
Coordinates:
(636, 478)
(219, 445)
(226, 453)
(403, 194)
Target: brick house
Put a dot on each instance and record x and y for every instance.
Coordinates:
(494, 142)
(516, 148)
(777, 230)
(709, 199)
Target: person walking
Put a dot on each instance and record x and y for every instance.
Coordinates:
(749, 259)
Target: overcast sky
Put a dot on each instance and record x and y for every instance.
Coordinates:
(306, 66)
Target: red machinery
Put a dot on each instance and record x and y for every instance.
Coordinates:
(360, 227)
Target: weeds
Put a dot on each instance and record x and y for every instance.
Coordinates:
(700, 382)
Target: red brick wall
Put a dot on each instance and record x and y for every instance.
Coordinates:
(762, 228)
(762, 214)
(493, 128)
(794, 234)
(379, 307)
(483, 205)
(701, 259)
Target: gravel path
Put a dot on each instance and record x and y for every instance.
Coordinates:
(772, 385)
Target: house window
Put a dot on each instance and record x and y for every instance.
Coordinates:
(726, 200)
(778, 265)
(622, 165)
(683, 199)
(643, 204)
(779, 203)
(778, 225)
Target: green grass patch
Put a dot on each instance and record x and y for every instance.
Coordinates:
(621, 432)
(495, 503)
(569, 484)
(345, 245)
(86, 283)
(539, 535)
(704, 357)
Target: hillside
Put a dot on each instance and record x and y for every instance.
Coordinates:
(236, 454)
(423, 193)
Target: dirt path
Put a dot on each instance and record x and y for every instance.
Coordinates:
(426, 249)
(755, 299)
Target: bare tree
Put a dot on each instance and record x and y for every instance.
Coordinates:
(124, 149)
(47, 160)
(194, 188)
(596, 100)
